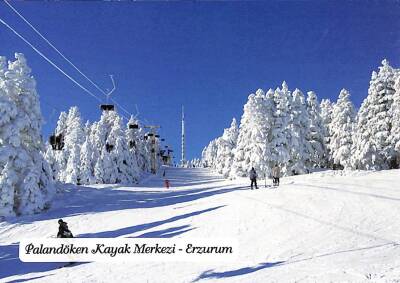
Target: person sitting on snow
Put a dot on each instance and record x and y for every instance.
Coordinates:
(253, 177)
(63, 231)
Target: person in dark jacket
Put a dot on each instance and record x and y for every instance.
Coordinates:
(253, 177)
(63, 231)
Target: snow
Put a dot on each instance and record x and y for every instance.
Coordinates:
(327, 226)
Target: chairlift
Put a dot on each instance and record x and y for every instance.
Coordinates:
(133, 126)
(107, 107)
(132, 144)
(162, 140)
(109, 147)
(57, 142)
(150, 134)
(157, 136)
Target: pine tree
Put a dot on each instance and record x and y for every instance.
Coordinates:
(227, 144)
(209, 154)
(74, 137)
(395, 131)
(58, 159)
(254, 135)
(25, 180)
(342, 124)
(373, 148)
(86, 166)
(316, 134)
(126, 172)
(281, 136)
(8, 144)
(299, 128)
(326, 116)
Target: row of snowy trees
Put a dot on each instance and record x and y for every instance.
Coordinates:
(299, 134)
(105, 152)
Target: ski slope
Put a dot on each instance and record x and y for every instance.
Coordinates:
(322, 227)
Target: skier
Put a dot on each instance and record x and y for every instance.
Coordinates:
(63, 231)
(253, 177)
(276, 174)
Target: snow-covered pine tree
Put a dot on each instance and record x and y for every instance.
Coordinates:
(299, 128)
(227, 144)
(25, 177)
(254, 135)
(326, 116)
(99, 134)
(143, 151)
(126, 171)
(74, 137)
(281, 136)
(113, 163)
(209, 154)
(86, 165)
(316, 134)
(342, 124)
(373, 149)
(57, 159)
(8, 145)
(395, 114)
(195, 163)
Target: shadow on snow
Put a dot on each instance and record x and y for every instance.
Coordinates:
(11, 264)
(209, 274)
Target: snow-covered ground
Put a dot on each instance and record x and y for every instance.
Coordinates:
(322, 227)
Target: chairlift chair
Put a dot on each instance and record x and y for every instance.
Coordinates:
(133, 126)
(109, 147)
(57, 142)
(107, 107)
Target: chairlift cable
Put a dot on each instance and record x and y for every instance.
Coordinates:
(55, 48)
(48, 60)
(64, 57)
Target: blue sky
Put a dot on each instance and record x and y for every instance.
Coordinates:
(208, 56)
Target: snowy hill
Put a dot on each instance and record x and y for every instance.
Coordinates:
(320, 227)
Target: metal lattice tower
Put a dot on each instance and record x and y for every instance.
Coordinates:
(183, 160)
